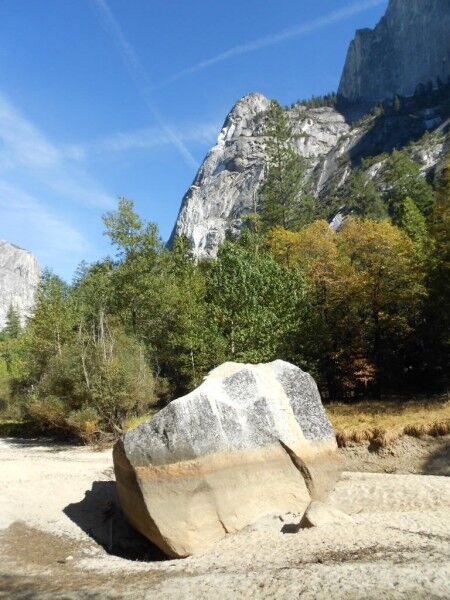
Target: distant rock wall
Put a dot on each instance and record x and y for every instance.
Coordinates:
(409, 46)
(19, 278)
(228, 183)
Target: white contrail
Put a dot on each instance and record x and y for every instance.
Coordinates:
(281, 36)
(140, 77)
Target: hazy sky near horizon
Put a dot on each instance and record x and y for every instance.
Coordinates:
(108, 98)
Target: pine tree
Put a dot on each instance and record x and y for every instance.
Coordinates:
(13, 326)
(284, 173)
(403, 179)
(307, 211)
(363, 198)
(438, 331)
(413, 223)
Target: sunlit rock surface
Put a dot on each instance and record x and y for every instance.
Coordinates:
(19, 278)
(250, 441)
(410, 46)
(227, 184)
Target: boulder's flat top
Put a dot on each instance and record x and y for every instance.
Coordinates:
(237, 407)
(396, 547)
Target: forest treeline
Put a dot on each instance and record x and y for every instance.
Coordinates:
(365, 309)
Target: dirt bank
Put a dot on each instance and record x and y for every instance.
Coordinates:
(426, 456)
(62, 536)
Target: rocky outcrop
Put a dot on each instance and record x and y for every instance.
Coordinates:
(19, 278)
(409, 46)
(227, 184)
(319, 514)
(251, 441)
(223, 189)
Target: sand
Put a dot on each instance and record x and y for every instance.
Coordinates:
(61, 536)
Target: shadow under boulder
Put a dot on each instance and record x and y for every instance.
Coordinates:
(100, 516)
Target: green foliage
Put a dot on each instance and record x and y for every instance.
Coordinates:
(51, 326)
(193, 344)
(365, 309)
(279, 199)
(413, 223)
(255, 303)
(101, 377)
(329, 100)
(307, 211)
(403, 180)
(137, 280)
(362, 198)
(13, 326)
(126, 230)
(4, 382)
(436, 333)
(159, 298)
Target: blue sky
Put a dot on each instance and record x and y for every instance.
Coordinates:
(108, 98)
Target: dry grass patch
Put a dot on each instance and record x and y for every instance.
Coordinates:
(383, 422)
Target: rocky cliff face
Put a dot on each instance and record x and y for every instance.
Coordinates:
(19, 277)
(228, 183)
(226, 186)
(223, 189)
(409, 46)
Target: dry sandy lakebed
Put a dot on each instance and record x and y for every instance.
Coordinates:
(62, 535)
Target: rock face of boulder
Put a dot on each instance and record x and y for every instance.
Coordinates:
(19, 278)
(409, 46)
(250, 441)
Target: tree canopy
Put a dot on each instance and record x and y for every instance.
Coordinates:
(364, 309)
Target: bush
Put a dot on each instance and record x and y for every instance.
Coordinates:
(49, 413)
(93, 385)
(84, 423)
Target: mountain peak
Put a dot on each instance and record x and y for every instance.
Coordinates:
(409, 46)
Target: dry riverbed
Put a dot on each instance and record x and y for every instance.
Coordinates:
(62, 536)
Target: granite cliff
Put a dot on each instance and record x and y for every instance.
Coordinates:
(379, 64)
(226, 186)
(228, 182)
(409, 46)
(19, 277)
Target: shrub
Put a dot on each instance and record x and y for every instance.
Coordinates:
(84, 423)
(94, 384)
(49, 413)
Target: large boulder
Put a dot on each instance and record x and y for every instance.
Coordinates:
(250, 441)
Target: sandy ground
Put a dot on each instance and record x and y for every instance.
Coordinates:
(62, 535)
